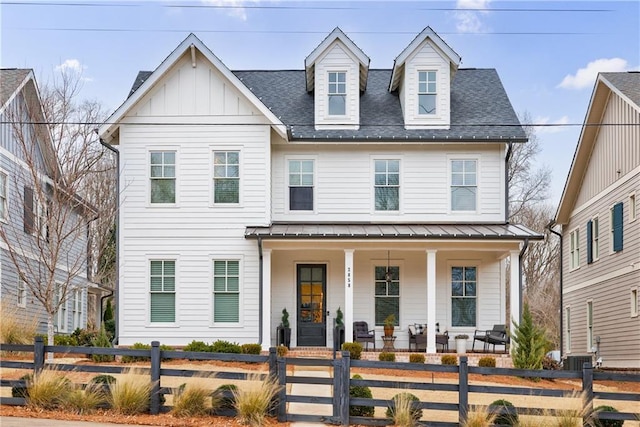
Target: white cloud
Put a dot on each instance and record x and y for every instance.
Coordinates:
(551, 129)
(233, 8)
(585, 77)
(469, 21)
(70, 65)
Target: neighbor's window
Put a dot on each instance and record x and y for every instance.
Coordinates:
(226, 291)
(387, 185)
(464, 286)
(567, 326)
(634, 302)
(226, 177)
(633, 208)
(574, 237)
(76, 307)
(593, 240)
(337, 93)
(464, 185)
(4, 206)
(301, 185)
(616, 227)
(163, 176)
(21, 293)
(162, 287)
(60, 319)
(387, 294)
(589, 325)
(427, 92)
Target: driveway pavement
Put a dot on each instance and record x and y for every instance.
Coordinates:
(39, 422)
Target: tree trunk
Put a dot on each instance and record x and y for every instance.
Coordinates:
(49, 335)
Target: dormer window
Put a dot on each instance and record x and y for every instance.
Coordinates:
(337, 93)
(427, 92)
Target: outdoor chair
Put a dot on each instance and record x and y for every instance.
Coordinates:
(498, 335)
(362, 334)
(443, 340)
(418, 337)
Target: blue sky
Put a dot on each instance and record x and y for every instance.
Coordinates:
(546, 53)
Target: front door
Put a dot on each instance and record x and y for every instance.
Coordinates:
(312, 318)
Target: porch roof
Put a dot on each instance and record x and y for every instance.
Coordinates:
(393, 231)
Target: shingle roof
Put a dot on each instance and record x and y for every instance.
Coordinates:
(628, 83)
(10, 79)
(480, 107)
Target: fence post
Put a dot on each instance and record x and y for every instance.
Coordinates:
(337, 385)
(282, 394)
(344, 393)
(273, 368)
(463, 390)
(155, 378)
(38, 355)
(587, 393)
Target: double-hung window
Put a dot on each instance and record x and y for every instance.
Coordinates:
(21, 293)
(76, 307)
(162, 288)
(4, 192)
(574, 237)
(226, 291)
(162, 176)
(226, 177)
(301, 185)
(464, 288)
(387, 185)
(634, 302)
(337, 93)
(593, 240)
(616, 227)
(387, 293)
(60, 319)
(464, 187)
(633, 207)
(427, 92)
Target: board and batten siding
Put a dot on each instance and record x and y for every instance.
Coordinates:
(343, 188)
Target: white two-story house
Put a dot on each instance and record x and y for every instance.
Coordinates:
(335, 186)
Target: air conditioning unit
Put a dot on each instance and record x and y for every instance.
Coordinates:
(576, 362)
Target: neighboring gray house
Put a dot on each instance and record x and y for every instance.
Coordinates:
(26, 141)
(334, 186)
(598, 213)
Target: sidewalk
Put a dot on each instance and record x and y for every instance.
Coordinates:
(315, 390)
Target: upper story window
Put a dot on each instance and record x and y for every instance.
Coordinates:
(387, 185)
(575, 248)
(35, 214)
(616, 227)
(337, 93)
(162, 287)
(21, 293)
(464, 287)
(427, 92)
(4, 205)
(633, 207)
(593, 240)
(226, 177)
(226, 291)
(60, 301)
(301, 185)
(163, 176)
(464, 185)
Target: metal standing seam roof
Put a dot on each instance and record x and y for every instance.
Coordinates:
(391, 231)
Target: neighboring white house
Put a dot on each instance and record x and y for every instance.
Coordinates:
(247, 192)
(598, 213)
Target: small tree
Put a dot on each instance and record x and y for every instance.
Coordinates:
(530, 343)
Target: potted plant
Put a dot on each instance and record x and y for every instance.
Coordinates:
(389, 325)
(461, 343)
(338, 330)
(284, 330)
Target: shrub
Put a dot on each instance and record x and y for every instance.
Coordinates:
(197, 346)
(137, 346)
(255, 398)
(502, 412)
(131, 393)
(416, 358)
(85, 401)
(282, 350)
(66, 340)
(108, 311)
(103, 379)
(48, 389)
(363, 392)
(354, 349)
(387, 357)
(192, 400)
(404, 411)
(110, 328)
(102, 340)
(222, 346)
(22, 391)
(448, 359)
(251, 348)
(530, 343)
(84, 337)
(487, 362)
(226, 393)
(606, 423)
(550, 364)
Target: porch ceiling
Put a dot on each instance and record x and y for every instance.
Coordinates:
(394, 231)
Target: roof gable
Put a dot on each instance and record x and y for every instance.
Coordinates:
(349, 45)
(189, 45)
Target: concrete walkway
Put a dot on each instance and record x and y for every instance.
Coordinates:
(315, 390)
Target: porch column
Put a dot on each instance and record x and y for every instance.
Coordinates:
(348, 294)
(431, 301)
(266, 298)
(514, 288)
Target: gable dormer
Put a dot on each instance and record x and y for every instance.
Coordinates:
(336, 73)
(422, 75)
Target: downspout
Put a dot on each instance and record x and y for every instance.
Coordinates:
(115, 292)
(260, 283)
(524, 249)
(550, 228)
(507, 157)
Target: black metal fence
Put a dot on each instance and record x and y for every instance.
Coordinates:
(340, 381)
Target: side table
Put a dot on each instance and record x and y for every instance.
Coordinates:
(388, 343)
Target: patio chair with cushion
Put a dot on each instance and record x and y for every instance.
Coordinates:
(418, 336)
(362, 334)
(443, 340)
(498, 335)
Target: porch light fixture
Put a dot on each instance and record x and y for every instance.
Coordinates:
(387, 275)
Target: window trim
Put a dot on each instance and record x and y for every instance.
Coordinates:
(287, 200)
(593, 240)
(227, 257)
(463, 263)
(392, 157)
(567, 326)
(149, 150)
(633, 207)
(382, 262)
(450, 159)
(62, 315)
(589, 328)
(162, 257)
(213, 148)
(21, 294)
(574, 252)
(633, 300)
(418, 93)
(77, 301)
(5, 201)
(345, 94)
(612, 251)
